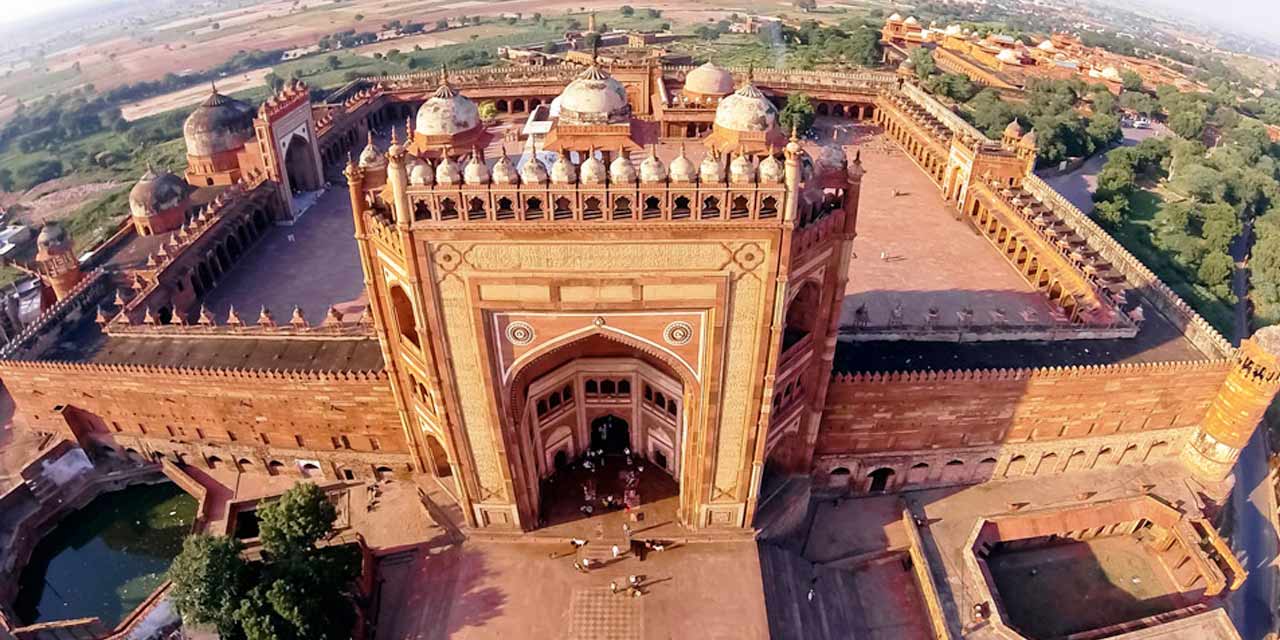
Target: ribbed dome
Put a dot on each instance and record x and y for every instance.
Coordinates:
(219, 124)
(897, 17)
(831, 157)
(709, 80)
(621, 170)
(652, 169)
(562, 171)
(446, 112)
(746, 110)
(741, 170)
(711, 169)
(594, 97)
(476, 171)
(912, 20)
(504, 172)
(592, 170)
(533, 171)
(447, 172)
(422, 174)
(1013, 129)
(53, 236)
(155, 193)
(770, 170)
(1007, 55)
(682, 170)
(1029, 140)
(371, 158)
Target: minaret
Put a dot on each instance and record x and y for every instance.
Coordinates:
(56, 260)
(1236, 411)
(591, 23)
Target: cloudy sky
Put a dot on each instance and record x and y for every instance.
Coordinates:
(1259, 17)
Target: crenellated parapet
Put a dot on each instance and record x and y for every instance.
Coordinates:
(1031, 373)
(206, 325)
(230, 373)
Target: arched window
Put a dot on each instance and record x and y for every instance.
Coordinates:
(622, 209)
(671, 407)
(533, 209)
(591, 388)
(553, 401)
(542, 407)
(769, 207)
(710, 208)
(421, 211)
(562, 211)
(591, 209)
(681, 208)
(740, 207)
(652, 208)
(648, 393)
(624, 387)
(802, 313)
(505, 210)
(567, 392)
(608, 387)
(448, 209)
(476, 209)
(405, 322)
(659, 399)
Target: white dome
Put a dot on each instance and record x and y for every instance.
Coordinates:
(710, 80)
(652, 169)
(1111, 73)
(770, 170)
(1046, 45)
(831, 157)
(711, 170)
(621, 170)
(1007, 55)
(746, 110)
(533, 171)
(504, 172)
(594, 98)
(370, 157)
(952, 30)
(447, 113)
(476, 171)
(740, 170)
(592, 170)
(562, 171)
(422, 174)
(912, 20)
(682, 170)
(448, 172)
(897, 17)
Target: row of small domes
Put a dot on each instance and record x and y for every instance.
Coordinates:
(591, 171)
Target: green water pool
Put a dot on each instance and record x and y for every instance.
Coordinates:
(105, 559)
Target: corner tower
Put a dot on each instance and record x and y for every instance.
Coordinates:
(56, 260)
(1238, 408)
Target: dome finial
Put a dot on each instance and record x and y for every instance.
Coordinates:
(795, 132)
(371, 137)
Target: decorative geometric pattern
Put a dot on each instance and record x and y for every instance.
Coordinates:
(678, 333)
(598, 614)
(520, 333)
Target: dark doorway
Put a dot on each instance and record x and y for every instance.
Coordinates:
(880, 479)
(610, 434)
(561, 460)
(300, 165)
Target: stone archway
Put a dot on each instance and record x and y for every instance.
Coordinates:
(599, 403)
(300, 165)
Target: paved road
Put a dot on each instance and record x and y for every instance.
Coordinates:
(1079, 185)
(1254, 536)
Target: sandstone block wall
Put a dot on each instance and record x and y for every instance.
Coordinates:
(256, 415)
(877, 413)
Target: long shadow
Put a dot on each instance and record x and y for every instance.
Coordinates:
(438, 595)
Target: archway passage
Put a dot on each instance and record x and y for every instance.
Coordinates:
(299, 164)
(611, 435)
(600, 422)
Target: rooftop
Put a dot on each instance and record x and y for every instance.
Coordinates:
(911, 250)
(313, 264)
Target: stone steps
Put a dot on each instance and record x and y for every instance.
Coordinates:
(835, 612)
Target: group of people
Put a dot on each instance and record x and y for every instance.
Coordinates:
(629, 478)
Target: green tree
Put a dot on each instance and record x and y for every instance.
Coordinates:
(359, 17)
(1112, 211)
(797, 113)
(1138, 102)
(296, 521)
(626, 10)
(1130, 80)
(488, 110)
(1215, 270)
(333, 62)
(206, 576)
(922, 60)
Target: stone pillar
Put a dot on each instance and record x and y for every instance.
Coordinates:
(1242, 399)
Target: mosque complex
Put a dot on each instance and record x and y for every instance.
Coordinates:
(886, 356)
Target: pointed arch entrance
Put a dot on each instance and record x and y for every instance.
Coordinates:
(300, 165)
(596, 417)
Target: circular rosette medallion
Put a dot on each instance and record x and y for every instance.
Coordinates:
(678, 333)
(520, 333)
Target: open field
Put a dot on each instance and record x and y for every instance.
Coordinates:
(191, 96)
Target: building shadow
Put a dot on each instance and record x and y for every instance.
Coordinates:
(436, 595)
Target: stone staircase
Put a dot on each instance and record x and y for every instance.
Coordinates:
(833, 614)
